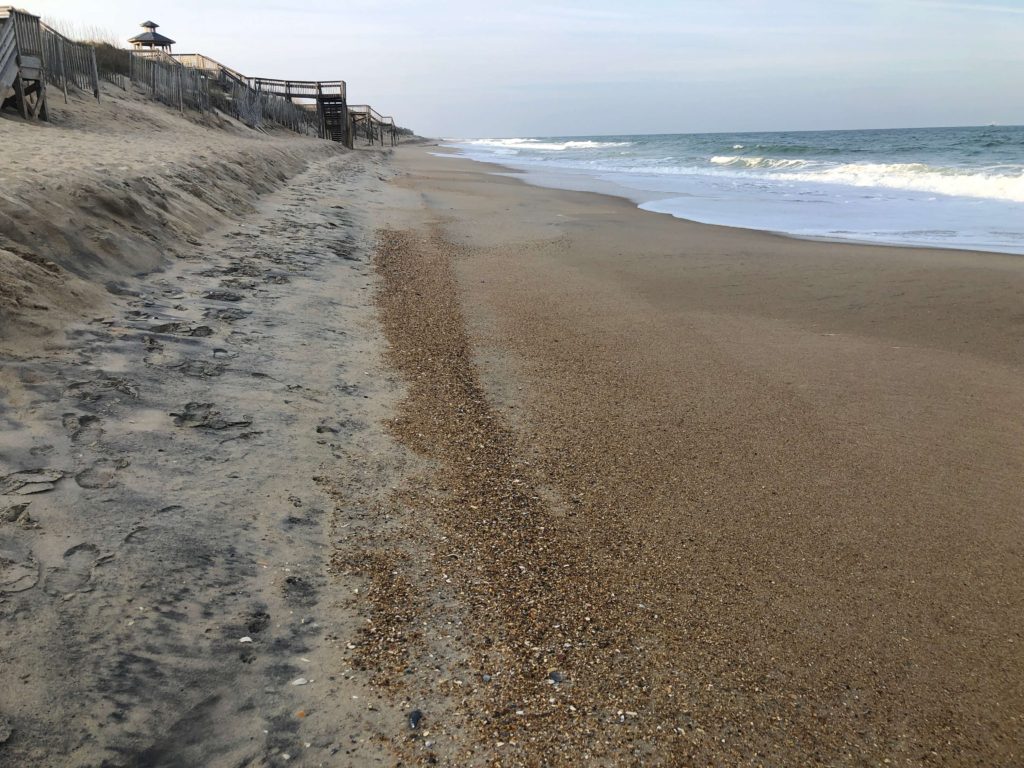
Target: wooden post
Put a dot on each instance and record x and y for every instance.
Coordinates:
(95, 75)
(19, 89)
(320, 114)
(63, 70)
(42, 108)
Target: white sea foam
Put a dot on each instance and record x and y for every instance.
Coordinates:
(758, 162)
(989, 183)
(1006, 183)
(545, 146)
(994, 183)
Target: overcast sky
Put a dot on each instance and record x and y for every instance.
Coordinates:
(461, 68)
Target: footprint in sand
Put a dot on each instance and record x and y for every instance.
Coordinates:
(103, 387)
(75, 573)
(227, 314)
(199, 369)
(102, 473)
(205, 416)
(83, 428)
(298, 591)
(182, 329)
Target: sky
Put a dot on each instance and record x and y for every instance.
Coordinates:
(463, 68)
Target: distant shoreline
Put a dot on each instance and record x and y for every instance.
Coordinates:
(960, 189)
(610, 190)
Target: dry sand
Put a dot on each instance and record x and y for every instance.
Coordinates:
(175, 404)
(553, 480)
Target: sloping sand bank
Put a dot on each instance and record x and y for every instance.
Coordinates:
(118, 188)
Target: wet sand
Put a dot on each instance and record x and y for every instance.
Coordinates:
(751, 499)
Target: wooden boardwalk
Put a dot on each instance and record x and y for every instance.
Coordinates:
(373, 126)
(327, 98)
(32, 54)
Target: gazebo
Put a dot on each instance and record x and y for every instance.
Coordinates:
(151, 39)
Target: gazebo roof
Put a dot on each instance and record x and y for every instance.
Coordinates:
(151, 37)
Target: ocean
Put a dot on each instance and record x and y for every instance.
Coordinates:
(939, 187)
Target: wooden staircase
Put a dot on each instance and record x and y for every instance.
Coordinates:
(22, 75)
(335, 118)
(328, 97)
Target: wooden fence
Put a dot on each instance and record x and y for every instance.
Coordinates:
(256, 108)
(69, 63)
(242, 97)
(168, 81)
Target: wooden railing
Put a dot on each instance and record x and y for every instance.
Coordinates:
(300, 89)
(205, 63)
(26, 31)
(8, 55)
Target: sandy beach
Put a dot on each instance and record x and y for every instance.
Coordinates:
(762, 493)
(325, 457)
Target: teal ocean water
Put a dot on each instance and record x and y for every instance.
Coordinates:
(945, 187)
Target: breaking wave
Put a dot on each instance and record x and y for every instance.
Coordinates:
(997, 183)
(757, 162)
(541, 145)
